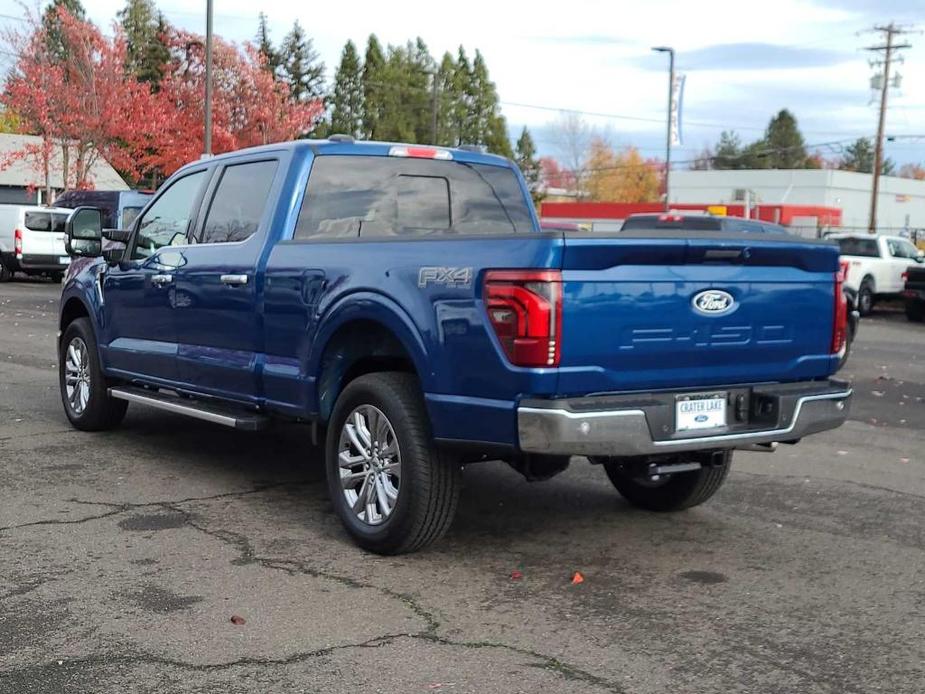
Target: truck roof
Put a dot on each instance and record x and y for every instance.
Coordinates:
(361, 147)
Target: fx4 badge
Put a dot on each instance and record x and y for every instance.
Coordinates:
(460, 277)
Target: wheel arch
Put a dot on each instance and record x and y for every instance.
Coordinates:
(365, 337)
(72, 309)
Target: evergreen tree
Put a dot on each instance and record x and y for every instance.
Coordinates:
(56, 47)
(347, 105)
(397, 118)
(464, 126)
(446, 130)
(859, 156)
(374, 88)
(783, 142)
(146, 48)
(525, 156)
(302, 69)
(420, 96)
(729, 151)
(265, 45)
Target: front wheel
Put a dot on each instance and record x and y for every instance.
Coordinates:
(84, 388)
(670, 492)
(394, 491)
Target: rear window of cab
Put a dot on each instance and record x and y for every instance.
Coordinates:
(370, 196)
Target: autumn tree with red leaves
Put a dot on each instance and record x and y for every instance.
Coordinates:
(87, 106)
(250, 106)
(84, 106)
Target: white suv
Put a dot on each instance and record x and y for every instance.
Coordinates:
(32, 241)
(875, 265)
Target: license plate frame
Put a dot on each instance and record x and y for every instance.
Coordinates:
(701, 411)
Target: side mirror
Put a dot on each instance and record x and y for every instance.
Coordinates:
(83, 233)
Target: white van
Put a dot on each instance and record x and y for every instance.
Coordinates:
(32, 241)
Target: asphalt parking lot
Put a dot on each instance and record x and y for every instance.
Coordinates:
(124, 556)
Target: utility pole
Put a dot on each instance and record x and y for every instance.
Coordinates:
(433, 115)
(670, 52)
(890, 31)
(207, 136)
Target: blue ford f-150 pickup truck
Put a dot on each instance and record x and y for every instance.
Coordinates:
(404, 301)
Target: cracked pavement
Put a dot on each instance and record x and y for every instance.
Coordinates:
(124, 556)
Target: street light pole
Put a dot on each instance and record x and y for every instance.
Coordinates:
(670, 52)
(207, 136)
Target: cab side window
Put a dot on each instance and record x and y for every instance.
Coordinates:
(903, 249)
(167, 221)
(239, 202)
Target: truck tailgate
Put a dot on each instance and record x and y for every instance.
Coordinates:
(649, 312)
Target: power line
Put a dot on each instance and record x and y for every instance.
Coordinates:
(712, 158)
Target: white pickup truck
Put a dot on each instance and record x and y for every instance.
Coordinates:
(875, 266)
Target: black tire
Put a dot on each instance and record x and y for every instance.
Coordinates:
(674, 492)
(866, 297)
(429, 483)
(99, 412)
(57, 277)
(5, 273)
(915, 311)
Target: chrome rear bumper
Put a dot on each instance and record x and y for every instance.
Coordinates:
(624, 425)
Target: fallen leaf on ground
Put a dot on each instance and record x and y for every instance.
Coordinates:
(516, 575)
(235, 619)
(577, 578)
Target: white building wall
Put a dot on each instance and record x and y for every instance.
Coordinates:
(901, 202)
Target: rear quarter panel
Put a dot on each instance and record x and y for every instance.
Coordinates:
(315, 287)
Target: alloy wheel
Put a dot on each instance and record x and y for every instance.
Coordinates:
(369, 461)
(77, 375)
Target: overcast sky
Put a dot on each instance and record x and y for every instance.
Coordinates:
(744, 59)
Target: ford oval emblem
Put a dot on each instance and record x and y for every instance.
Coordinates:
(713, 302)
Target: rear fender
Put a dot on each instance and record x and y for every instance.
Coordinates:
(375, 308)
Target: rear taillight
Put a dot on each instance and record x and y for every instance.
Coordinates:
(525, 310)
(17, 243)
(840, 329)
(845, 266)
(904, 276)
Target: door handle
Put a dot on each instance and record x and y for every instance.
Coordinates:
(234, 280)
(161, 280)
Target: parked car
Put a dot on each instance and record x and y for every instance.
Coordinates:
(404, 301)
(120, 207)
(876, 264)
(914, 293)
(32, 241)
(697, 222)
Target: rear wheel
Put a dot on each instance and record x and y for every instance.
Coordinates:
(84, 388)
(670, 492)
(866, 298)
(393, 489)
(5, 273)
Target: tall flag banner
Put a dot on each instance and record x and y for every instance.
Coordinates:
(677, 91)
